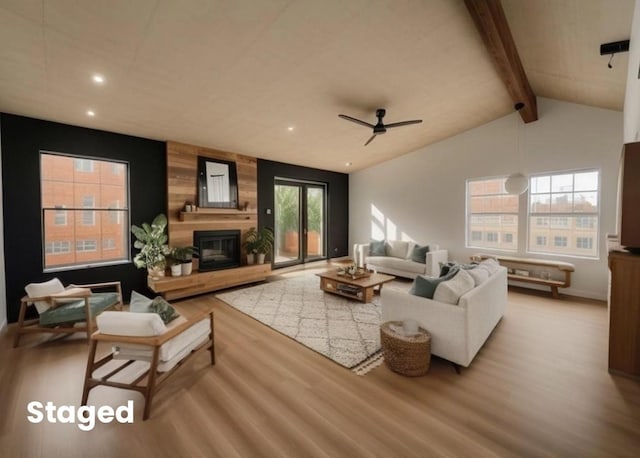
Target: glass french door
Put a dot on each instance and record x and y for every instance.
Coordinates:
(300, 222)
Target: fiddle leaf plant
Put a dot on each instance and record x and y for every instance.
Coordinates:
(151, 240)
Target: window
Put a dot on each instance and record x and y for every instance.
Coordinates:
(114, 213)
(60, 216)
(559, 241)
(85, 245)
(585, 222)
(83, 165)
(584, 243)
(541, 240)
(570, 202)
(58, 247)
(508, 238)
(492, 211)
(85, 215)
(88, 217)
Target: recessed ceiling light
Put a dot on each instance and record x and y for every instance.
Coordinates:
(91, 113)
(98, 79)
(290, 128)
(348, 164)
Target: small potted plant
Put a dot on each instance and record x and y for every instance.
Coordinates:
(174, 264)
(250, 244)
(151, 240)
(264, 243)
(184, 255)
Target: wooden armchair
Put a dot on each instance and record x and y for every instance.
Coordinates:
(60, 309)
(143, 339)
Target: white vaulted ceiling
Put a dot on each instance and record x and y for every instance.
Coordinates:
(234, 75)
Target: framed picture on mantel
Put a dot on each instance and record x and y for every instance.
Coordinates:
(217, 183)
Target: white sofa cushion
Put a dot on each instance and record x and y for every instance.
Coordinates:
(44, 289)
(397, 248)
(450, 291)
(491, 265)
(479, 275)
(396, 263)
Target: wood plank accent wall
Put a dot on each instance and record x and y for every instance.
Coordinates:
(182, 187)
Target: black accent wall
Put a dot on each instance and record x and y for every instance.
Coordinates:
(337, 199)
(22, 140)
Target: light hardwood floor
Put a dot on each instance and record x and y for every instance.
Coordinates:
(538, 387)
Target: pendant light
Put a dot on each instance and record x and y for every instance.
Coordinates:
(517, 183)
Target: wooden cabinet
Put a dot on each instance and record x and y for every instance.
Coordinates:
(624, 314)
(630, 208)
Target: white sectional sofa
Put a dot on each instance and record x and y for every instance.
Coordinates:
(397, 260)
(457, 331)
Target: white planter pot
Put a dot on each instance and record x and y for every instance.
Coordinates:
(250, 258)
(261, 258)
(187, 267)
(176, 270)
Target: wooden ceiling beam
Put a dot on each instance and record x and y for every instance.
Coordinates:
(491, 22)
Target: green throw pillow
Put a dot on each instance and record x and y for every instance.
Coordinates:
(425, 286)
(377, 248)
(164, 309)
(419, 254)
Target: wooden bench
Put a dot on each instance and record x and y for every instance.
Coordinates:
(564, 268)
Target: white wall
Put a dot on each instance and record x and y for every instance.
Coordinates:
(421, 195)
(3, 289)
(632, 92)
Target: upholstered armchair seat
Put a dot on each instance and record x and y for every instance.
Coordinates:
(75, 311)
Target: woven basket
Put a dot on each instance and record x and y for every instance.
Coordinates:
(409, 356)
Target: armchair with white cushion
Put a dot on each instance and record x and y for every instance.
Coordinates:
(156, 349)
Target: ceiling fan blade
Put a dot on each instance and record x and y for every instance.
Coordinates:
(403, 123)
(357, 121)
(371, 139)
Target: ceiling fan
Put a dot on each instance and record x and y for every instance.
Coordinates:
(380, 128)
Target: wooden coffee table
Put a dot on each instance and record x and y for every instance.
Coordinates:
(360, 289)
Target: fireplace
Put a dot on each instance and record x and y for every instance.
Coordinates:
(217, 249)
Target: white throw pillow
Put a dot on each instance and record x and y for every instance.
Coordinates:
(139, 303)
(397, 248)
(450, 291)
(43, 289)
(130, 324)
(479, 275)
(491, 265)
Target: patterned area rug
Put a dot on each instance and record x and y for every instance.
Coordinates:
(345, 331)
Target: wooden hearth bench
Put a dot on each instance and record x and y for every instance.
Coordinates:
(530, 265)
(203, 282)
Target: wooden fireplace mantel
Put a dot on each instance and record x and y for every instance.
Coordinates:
(203, 282)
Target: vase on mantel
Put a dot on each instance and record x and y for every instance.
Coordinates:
(250, 258)
(260, 258)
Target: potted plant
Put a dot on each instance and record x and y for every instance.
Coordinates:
(250, 244)
(264, 243)
(174, 265)
(151, 240)
(184, 255)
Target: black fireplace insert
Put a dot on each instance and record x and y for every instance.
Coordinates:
(217, 249)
